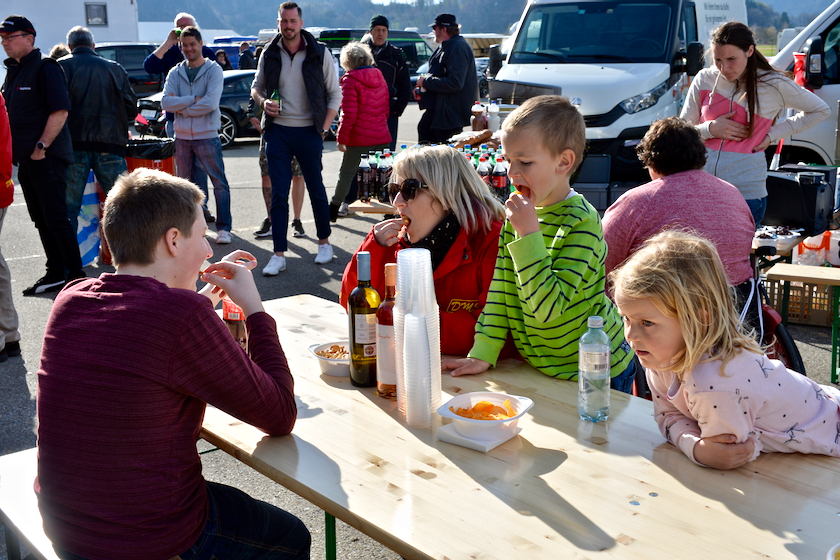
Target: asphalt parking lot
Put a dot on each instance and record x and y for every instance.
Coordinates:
(24, 253)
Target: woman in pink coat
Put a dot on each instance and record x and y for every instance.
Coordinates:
(364, 116)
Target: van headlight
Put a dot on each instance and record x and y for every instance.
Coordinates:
(641, 102)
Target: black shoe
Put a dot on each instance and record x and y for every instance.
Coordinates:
(298, 227)
(265, 230)
(208, 217)
(13, 348)
(334, 212)
(45, 285)
(76, 276)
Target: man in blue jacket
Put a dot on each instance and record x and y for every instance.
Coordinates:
(451, 85)
(192, 93)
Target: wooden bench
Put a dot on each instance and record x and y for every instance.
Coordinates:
(19, 507)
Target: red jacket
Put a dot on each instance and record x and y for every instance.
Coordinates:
(364, 108)
(7, 187)
(461, 283)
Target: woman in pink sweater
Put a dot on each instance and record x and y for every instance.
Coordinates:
(364, 116)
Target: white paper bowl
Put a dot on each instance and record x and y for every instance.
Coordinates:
(759, 242)
(834, 553)
(485, 429)
(329, 366)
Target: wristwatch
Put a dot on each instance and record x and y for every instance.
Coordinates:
(41, 146)
(323, 132)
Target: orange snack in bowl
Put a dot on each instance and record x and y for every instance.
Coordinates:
(485, 410)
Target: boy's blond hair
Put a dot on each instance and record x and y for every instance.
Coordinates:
(684, 277)
(554, 120)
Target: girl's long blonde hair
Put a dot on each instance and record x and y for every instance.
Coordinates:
(684, 277)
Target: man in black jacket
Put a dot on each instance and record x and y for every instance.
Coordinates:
(102, 104)
(391, 62)
(37, 101)
(451, 86)
(246, 57)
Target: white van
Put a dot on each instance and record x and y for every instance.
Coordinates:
(820, 41)
(624, 63)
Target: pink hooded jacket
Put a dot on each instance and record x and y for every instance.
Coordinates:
(364, 108)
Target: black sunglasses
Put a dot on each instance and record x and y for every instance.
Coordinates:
(408, 189)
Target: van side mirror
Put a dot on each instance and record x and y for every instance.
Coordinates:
(495, 62)
(814, 51)
(694, 60)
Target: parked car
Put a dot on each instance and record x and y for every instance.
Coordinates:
(234, 106)
(131, 57)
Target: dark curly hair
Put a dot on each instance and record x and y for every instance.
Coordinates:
(672, 145)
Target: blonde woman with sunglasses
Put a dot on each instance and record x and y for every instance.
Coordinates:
(445, 207)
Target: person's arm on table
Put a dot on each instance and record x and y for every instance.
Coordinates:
(719, 451)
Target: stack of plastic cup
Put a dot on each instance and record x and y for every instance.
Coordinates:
(417, 337)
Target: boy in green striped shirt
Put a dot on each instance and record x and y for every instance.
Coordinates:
(549, 275)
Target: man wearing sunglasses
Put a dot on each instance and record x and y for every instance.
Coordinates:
(38, 105)
(450, 87)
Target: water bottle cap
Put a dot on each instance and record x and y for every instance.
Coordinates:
(595, 322)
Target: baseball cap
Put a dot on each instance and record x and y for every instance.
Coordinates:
(17, 23)
(444, 20)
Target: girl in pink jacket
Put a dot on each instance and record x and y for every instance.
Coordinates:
(716, 396)
(364, 116)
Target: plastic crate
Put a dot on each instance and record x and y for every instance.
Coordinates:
(809, 304)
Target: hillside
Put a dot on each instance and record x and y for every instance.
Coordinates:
(249, 16)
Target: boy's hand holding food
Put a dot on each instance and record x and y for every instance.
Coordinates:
(522, 214)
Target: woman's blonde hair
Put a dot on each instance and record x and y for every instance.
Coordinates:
(355, 55)
(684, 276)
(454, 182)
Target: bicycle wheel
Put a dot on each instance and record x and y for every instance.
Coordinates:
(784, 349)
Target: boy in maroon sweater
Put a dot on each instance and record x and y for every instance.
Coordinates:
(128, 364)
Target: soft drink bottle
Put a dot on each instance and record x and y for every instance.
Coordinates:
(594, 372)
(484, 170)
(499, 180)
(373, 181)
(384, 171)
(363, 179)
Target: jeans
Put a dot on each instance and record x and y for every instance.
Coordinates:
(106, 167)
(758, 206)
(306, 144)
(200, 176)
(624, 381)
(349, 167)
(206, 154)
(44, 185)
(241, 528)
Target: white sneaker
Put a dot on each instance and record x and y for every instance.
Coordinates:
(275, 266)
(344, 210)
(223, 238)
(325, 254)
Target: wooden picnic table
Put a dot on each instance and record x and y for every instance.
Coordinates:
(562, 488)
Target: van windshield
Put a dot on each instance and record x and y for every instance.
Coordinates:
(594, 32)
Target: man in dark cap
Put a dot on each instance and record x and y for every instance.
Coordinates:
(38, 104)
(450, 88)
(391, 62)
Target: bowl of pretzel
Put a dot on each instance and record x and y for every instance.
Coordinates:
(333, 357)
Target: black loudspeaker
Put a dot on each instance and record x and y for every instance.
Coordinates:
(799, 200)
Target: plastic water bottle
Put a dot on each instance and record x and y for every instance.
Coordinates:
(594, 372)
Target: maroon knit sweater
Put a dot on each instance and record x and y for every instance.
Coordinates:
(126, 369)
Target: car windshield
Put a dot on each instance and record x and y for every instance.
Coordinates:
(595, 31)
